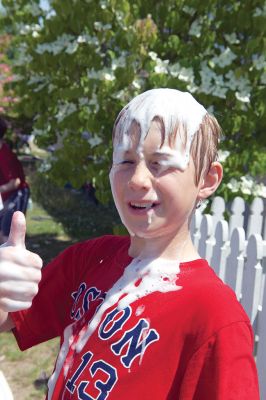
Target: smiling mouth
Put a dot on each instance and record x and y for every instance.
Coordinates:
(141, 206)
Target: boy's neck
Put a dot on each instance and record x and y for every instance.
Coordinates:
(178, 248)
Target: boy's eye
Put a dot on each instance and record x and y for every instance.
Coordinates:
(156, 164)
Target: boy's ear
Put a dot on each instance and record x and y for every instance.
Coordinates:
(211, 181)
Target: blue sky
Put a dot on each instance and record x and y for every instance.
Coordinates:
(44, 4)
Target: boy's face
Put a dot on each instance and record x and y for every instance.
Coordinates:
(154, 198)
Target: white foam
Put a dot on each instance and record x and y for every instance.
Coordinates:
(151, 275)
(140, 278)
(68, 340)
(175, 108)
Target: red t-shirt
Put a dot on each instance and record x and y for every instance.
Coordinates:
(193, 343)
(10, 168)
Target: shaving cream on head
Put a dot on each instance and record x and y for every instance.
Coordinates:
(174, 108)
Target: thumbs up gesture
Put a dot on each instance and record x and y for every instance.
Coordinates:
(20, 269)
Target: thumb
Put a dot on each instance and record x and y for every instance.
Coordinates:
(17, 230)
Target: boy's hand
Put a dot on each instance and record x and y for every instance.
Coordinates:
(20, 269)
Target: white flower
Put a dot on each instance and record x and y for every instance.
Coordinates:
(195, 29)
(233, 185)
(72, 48)
(34, 9)
(210, 109)
(219, 92)
(136, 84)
(222, 155)
(186, 74)
(153, 55)
(243, 97)
(94, 141)
(108, 76)
(61, 43)
(260, 11)
(263, 78)
(92, 74)
(247, 184)
(174, 69)
(160, 69)
(35, 34)
(232, 38)
(64, 110)
(103, 4)
(51, 87)
(259, 62)
(119, 62)
(189, 10)
(99, 26)
(37, 79)
(225, 58)
(45, 166)
(260, 190)
(83, 101)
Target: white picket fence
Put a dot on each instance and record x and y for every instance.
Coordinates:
(233, 240)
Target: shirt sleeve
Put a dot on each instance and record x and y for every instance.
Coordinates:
(223, 368)
(51, 307)
(13, 168)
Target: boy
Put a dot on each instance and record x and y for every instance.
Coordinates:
(14, 190)
(140, 317)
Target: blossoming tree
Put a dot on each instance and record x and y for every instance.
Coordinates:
(78, 62)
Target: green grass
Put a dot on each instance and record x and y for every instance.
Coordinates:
(23, 369)
(45, 236)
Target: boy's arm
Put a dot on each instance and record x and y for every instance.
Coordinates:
(13, 184)
(20, 273)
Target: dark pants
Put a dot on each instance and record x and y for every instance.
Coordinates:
(18, 201)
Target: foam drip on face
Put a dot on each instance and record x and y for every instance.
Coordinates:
(176, 110)
(140, 278)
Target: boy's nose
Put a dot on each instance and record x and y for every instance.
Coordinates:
(140, 178)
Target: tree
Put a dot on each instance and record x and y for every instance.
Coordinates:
(80, 62)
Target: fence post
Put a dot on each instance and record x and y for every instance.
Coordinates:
(235, 261)
(217, 211)
(255, 220)
(195, 227)
(237, 214)
(261, 347)
(252, 278)
(220, 250)
(206, 241)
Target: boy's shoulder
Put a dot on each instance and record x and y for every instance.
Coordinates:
(208, 298)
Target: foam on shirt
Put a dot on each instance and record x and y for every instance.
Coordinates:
(140, 278)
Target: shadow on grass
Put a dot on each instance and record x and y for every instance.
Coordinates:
(80, 217)
(47, 246)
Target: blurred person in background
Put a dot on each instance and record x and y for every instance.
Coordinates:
(14, 190)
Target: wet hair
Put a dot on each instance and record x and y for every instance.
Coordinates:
(3, 127)
(204, 145)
